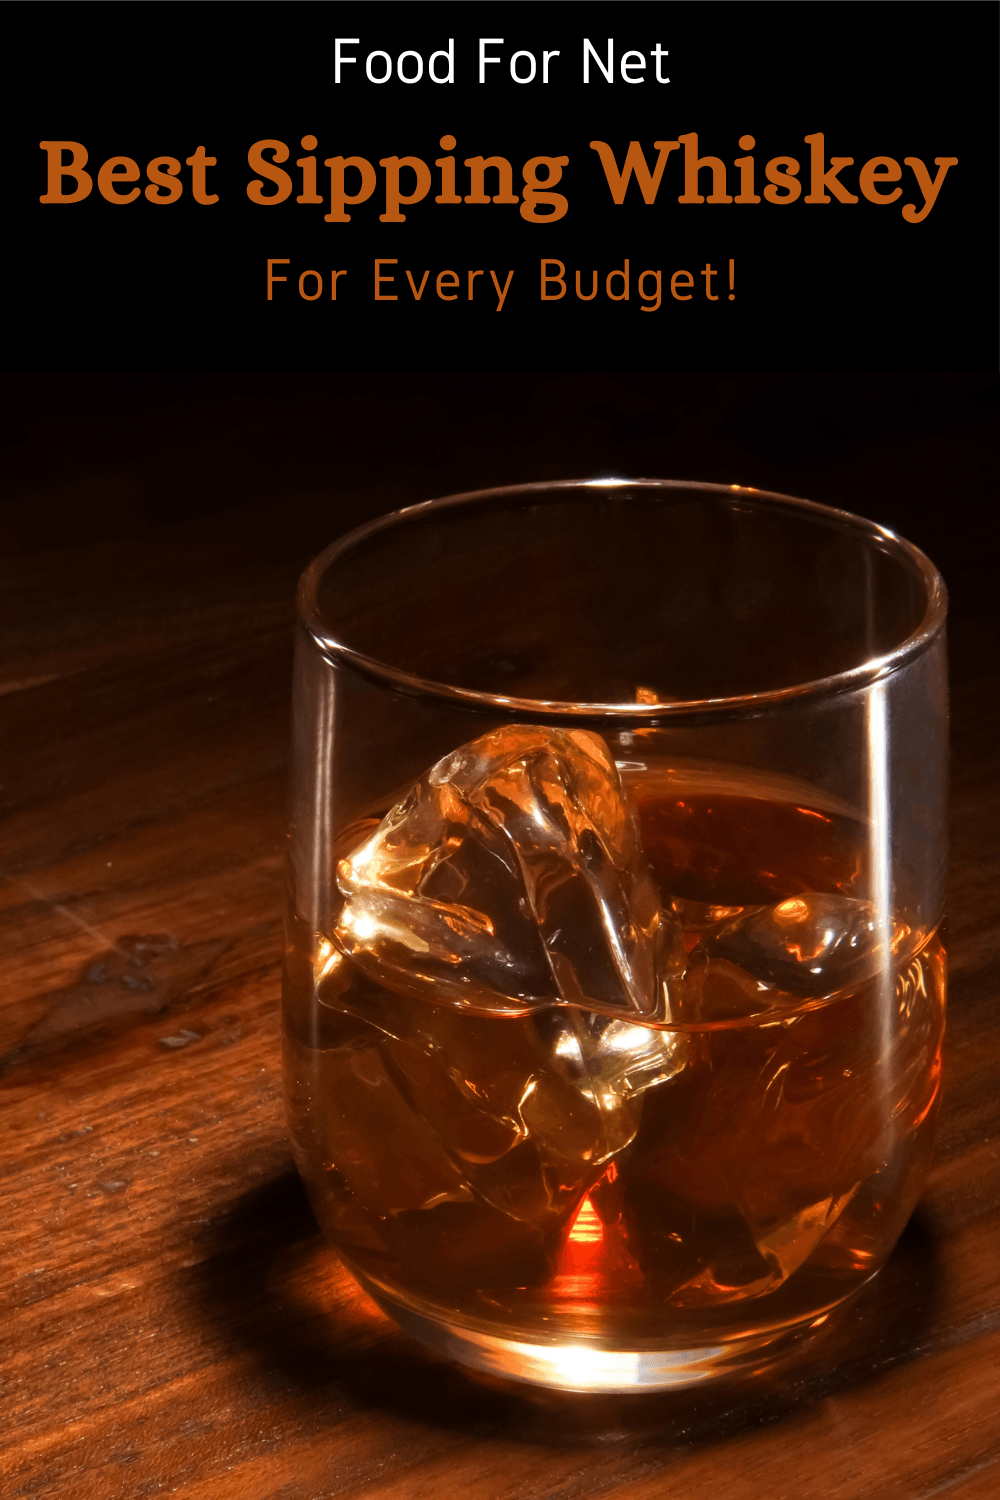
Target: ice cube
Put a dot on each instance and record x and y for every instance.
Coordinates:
(511, 878)
(498, 1115)
(404, 1141)
(520, 1131)
(750, 1157)
(508, 887)
(697, 918)
(372, 1136)
(809, 945)
(611, 1060)
(789, 1243)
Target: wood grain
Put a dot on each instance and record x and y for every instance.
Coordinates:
(172, 1322)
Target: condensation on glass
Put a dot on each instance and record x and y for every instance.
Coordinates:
(614, 989)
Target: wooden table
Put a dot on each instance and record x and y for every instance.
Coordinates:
(172, 1323)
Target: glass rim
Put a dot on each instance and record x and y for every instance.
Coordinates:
(499, 705)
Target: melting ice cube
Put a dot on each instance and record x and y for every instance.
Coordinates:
(811, 944)
(511, 878)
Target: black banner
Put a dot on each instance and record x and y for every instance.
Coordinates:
(499, 186)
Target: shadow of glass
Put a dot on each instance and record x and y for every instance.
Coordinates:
(270, 1289)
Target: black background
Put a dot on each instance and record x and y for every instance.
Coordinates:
(240, 479)
(94, 286)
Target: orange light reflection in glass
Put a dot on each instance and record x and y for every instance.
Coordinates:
(587, 1228)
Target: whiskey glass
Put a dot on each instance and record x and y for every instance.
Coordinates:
(614, 986)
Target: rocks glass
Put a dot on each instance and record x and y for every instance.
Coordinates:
(614, 993)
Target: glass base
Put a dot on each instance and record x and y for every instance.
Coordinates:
(586, 1367)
